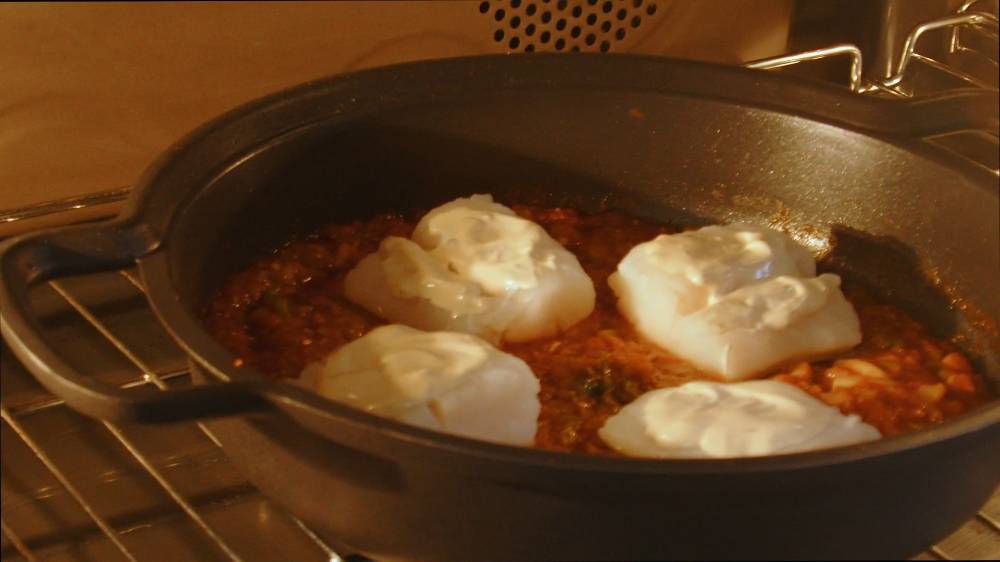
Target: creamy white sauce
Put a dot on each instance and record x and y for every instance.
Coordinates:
(447, 381)
(720, 420)
(774, 304)
(485, 243)
(418, 274)
(475, 266)
(705, 264)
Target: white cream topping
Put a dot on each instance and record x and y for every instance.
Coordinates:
(703, 265)
(447, 381)
(774, 304)
(485, 243)
(719, 420)
(475, 266)
(419, 275)
(734, 300)
(765, 324)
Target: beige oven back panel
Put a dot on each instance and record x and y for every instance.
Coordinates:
(91, 93)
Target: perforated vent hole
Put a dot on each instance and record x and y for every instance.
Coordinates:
(566, 25)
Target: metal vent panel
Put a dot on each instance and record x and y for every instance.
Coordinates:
(564, 26)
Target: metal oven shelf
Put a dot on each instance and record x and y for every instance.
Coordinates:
(79, 489)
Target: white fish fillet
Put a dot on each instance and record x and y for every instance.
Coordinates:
(766, 324)
(475, 266)
(734, 300)
(447, 381)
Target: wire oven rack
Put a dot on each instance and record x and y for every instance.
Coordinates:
(79, 489)
(968, 62)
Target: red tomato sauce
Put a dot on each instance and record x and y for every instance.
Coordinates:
(288, 310)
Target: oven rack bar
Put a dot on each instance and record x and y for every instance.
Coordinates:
(11, 416)
(895, 84)
(42, 456)
(87, 201)
(898, 84)
(19, 545)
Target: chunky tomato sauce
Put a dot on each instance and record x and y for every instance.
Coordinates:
(287, 310)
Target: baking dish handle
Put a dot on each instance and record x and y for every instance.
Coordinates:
(35, 258)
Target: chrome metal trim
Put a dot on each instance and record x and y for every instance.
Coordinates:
(35, 407)
(62, 205)
(950, 70)
(852, 51)
(22, 548)
(909, 48)
(954, 43)
(66, 483)
(892, 85)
